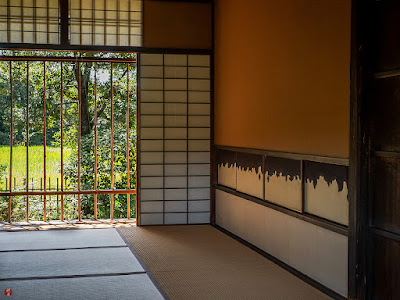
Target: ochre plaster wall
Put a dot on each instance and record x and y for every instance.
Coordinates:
(282, 75)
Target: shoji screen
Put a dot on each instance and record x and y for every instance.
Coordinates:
(29, 21)
(175, 139)
(106, 22)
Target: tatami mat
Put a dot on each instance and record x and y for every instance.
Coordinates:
(68, 262)
(130, 287)
(59, 239)
(200, 262)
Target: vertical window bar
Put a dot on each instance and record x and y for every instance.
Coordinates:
(63, 11)
(34, 21)
(187, 139)
(8, 21)
(22, 21)
(163, 137)
(118, 16)
(129, 22)
(128, 182)
(27, 140)
(105, 26)
(44, 140)
(11, 140)
(80, 24)
(303, 204)
(93, 18)
(95, 140)
(79, 140)
(47, 22)
(112, 143)
(62, 140)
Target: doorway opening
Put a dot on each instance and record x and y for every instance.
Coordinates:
(67, 135)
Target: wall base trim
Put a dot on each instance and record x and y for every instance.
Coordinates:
(283, 265)
(338, 228)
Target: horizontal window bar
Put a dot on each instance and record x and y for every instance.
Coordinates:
(51, 193)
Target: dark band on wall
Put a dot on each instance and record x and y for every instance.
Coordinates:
(247, 161)
(313, 171)
(289, 168)
(226, 158)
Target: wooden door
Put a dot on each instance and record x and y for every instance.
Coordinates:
(383, 122)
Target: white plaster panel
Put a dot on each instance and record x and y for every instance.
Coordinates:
(281, 190)
(229, 212)
(315, 251)
(250, 181)
(227, 175)
(175, 218)
(175, 206)
(254, 224)
(327, 201)
(199, 218)
(151, 219)
(331, 260)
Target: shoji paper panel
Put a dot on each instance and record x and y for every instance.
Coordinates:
(29, 21)
(106, 22)
(175, 138)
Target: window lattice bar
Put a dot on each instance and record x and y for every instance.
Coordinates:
(29, 21)
(106, 22)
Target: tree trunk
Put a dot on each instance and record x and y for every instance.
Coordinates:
(86, 124)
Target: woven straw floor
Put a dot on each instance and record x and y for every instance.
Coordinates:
(200, 262)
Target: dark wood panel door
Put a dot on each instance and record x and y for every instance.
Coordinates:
(383, 269)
